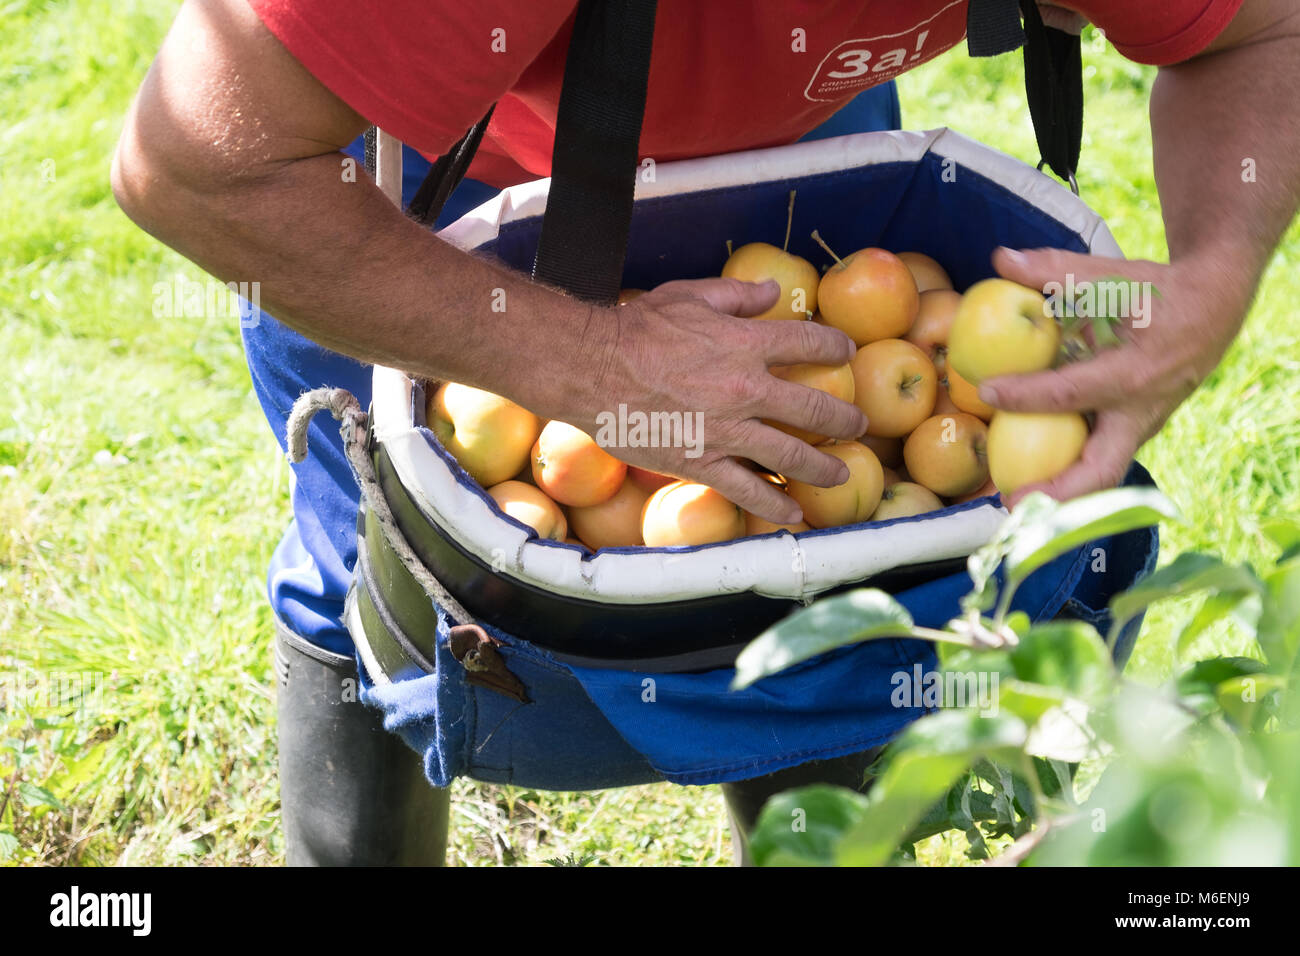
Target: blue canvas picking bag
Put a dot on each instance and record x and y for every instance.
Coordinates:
(611, 669)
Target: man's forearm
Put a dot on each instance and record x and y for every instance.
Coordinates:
(339, 263)
(1226, 136)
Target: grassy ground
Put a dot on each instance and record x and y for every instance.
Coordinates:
(141, 493)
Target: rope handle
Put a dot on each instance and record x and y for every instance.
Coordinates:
(354, 428)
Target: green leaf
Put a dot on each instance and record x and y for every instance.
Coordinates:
(1064, 733)
(911, 785)
(802, 827)
(1197, 687)
(983, 564)
(1068, 655)
(1027, 701)
(1241, 696)
(1055, 778)
(1278, 629)
(1244, 608)
(8, 845)
(1285, 533)
(861, 615)
(1057, 529)
(33, 796)
(1186, 573)
(927, 759)
(1210, 673)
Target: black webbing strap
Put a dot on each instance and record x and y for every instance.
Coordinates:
(446, 174)
(594, 164)
(1053, 75)
(1054, 85)
(993, 27)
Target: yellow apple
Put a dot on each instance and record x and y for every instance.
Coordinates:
(530, 506)
(488, 435)
(688, 513)
(614, 523)
(756, 525)
(895, 384)
(965, 396)
(834, 380)
(798, 278)
(847, 503)
(937, 309)
(946, 453)
(1026, 448)
(1002, 328)
(927, 273)
(869, 295)
(904, 499)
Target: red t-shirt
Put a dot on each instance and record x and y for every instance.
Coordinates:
(723, 76)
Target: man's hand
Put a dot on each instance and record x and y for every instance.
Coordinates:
(1133, 387)
(686, 348)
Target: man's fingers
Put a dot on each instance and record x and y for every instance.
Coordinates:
(788, 456)
(1037, 267)
(1099, 382)
(813, 410)
(745, 488)
(1104, 462)
(728, 296)
(793, 342)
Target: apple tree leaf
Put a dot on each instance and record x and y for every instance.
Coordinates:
(802, 827)
(1285, 533)
(927, 759)
(1186, 573)
(1066, 526)
(861, 615)
(1067, 655)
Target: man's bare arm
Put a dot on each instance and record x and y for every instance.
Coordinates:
(230, 155)
(1226, 137)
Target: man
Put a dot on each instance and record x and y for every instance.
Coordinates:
(230, 155)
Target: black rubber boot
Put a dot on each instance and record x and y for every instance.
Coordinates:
(351, 793)
(745, 798)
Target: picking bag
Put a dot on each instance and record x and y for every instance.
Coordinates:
(612, 669)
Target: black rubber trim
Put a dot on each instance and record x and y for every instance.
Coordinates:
(701, 633)
(319, 654)
(420, 652)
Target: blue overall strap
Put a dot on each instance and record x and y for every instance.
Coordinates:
(1053, 75)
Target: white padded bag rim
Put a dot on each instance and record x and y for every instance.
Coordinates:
(780, 565)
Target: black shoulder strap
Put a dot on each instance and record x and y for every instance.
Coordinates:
(594, 163)
(1053, 75)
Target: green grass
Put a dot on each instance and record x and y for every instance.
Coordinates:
(141, 493)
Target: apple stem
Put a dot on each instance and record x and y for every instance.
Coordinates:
(818, 239)
(789, 221)
(729, 252)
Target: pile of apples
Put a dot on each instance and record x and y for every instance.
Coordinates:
(923, 350)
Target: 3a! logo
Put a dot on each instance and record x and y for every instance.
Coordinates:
(855, 65)
(75, 908)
